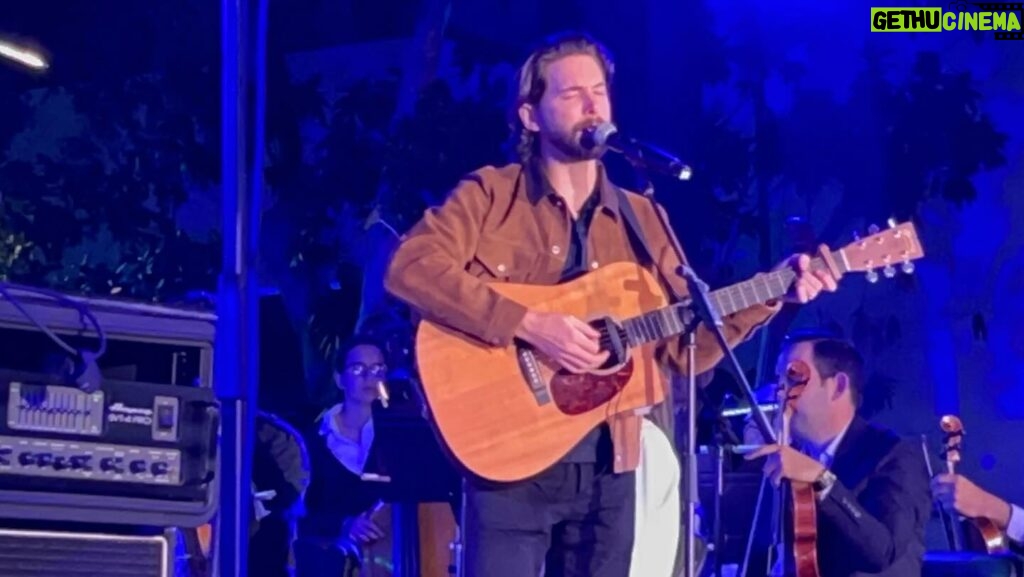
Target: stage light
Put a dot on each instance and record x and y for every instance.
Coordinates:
(22, 56)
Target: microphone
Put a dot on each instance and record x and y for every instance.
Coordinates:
(608, 135)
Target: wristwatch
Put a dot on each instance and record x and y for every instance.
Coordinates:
(824, 482)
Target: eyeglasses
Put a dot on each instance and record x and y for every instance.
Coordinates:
(361, 369)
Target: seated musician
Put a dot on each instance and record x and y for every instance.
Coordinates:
(348, 480)
(870, 487)
(962, 495)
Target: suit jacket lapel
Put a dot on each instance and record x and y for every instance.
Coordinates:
(850, 464)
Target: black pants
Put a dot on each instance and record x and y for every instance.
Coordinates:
(574, 519)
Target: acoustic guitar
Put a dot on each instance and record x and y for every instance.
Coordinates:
(508, 413)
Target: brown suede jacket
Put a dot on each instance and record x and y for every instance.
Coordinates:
(499, 225)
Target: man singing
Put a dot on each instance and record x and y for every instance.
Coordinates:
(546, 219)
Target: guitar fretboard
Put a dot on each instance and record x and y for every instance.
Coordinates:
(670, 321)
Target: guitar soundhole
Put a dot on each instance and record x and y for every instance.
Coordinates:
(613, 339)
(578, 393)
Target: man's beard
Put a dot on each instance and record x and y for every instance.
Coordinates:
(568, 144)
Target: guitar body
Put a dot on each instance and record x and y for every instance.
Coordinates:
(507, 413)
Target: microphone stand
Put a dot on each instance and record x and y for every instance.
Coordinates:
(723, 442)
(704, 312)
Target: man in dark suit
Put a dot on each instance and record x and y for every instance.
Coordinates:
(871, 487)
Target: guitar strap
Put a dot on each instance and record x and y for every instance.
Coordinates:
(637, 239)
(636, 234)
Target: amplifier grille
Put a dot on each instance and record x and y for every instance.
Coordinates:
(52, 554)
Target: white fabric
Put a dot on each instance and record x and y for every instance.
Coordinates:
(1015, 530)
(658, 513)
(350, 454)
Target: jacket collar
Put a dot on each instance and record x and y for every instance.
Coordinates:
(538, 187)
(849, 462)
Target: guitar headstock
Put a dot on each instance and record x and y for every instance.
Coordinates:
(899, 245)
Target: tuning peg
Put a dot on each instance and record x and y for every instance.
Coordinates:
(908, 267)
(856, 236)
(891, 222)
(873, 229)
(889, 271)
(872, 276)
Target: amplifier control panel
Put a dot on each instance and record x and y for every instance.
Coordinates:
(41, 457)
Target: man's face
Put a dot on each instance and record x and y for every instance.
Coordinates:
(812, 411)
(576, 98)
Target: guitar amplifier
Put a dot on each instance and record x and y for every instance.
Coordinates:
(130, 452)
(107, 411)
(40, 553)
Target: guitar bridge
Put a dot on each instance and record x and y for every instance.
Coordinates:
(530, 369)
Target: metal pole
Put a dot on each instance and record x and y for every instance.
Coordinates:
(236, 366)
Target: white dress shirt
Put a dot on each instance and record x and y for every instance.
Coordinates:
(350, 454)
(829, 454)
(1015, 530)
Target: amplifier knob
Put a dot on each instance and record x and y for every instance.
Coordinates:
(137, 467)
(60, 463)
(160, 468)
(5, 453)
(25, 459)
(44, 459)
(111, 464)
(81, 462)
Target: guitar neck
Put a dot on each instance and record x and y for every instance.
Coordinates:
(671, 321)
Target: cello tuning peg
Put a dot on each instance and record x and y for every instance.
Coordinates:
(872, 276)
(856, 235)
(891, 222)
(889, 271)
(908, 267)
(873, 229)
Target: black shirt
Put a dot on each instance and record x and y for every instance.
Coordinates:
(576, 256)
(597, 443)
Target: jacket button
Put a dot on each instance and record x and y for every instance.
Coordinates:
(501, 268)
(556, 249)
(594, 265)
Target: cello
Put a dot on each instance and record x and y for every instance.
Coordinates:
(979, 535)
(804, 553)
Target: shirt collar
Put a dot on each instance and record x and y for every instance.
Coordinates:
(829, 454)
(538, 187)
(329, 425)
(351, 455)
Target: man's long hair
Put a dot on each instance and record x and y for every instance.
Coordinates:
(531, 82)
